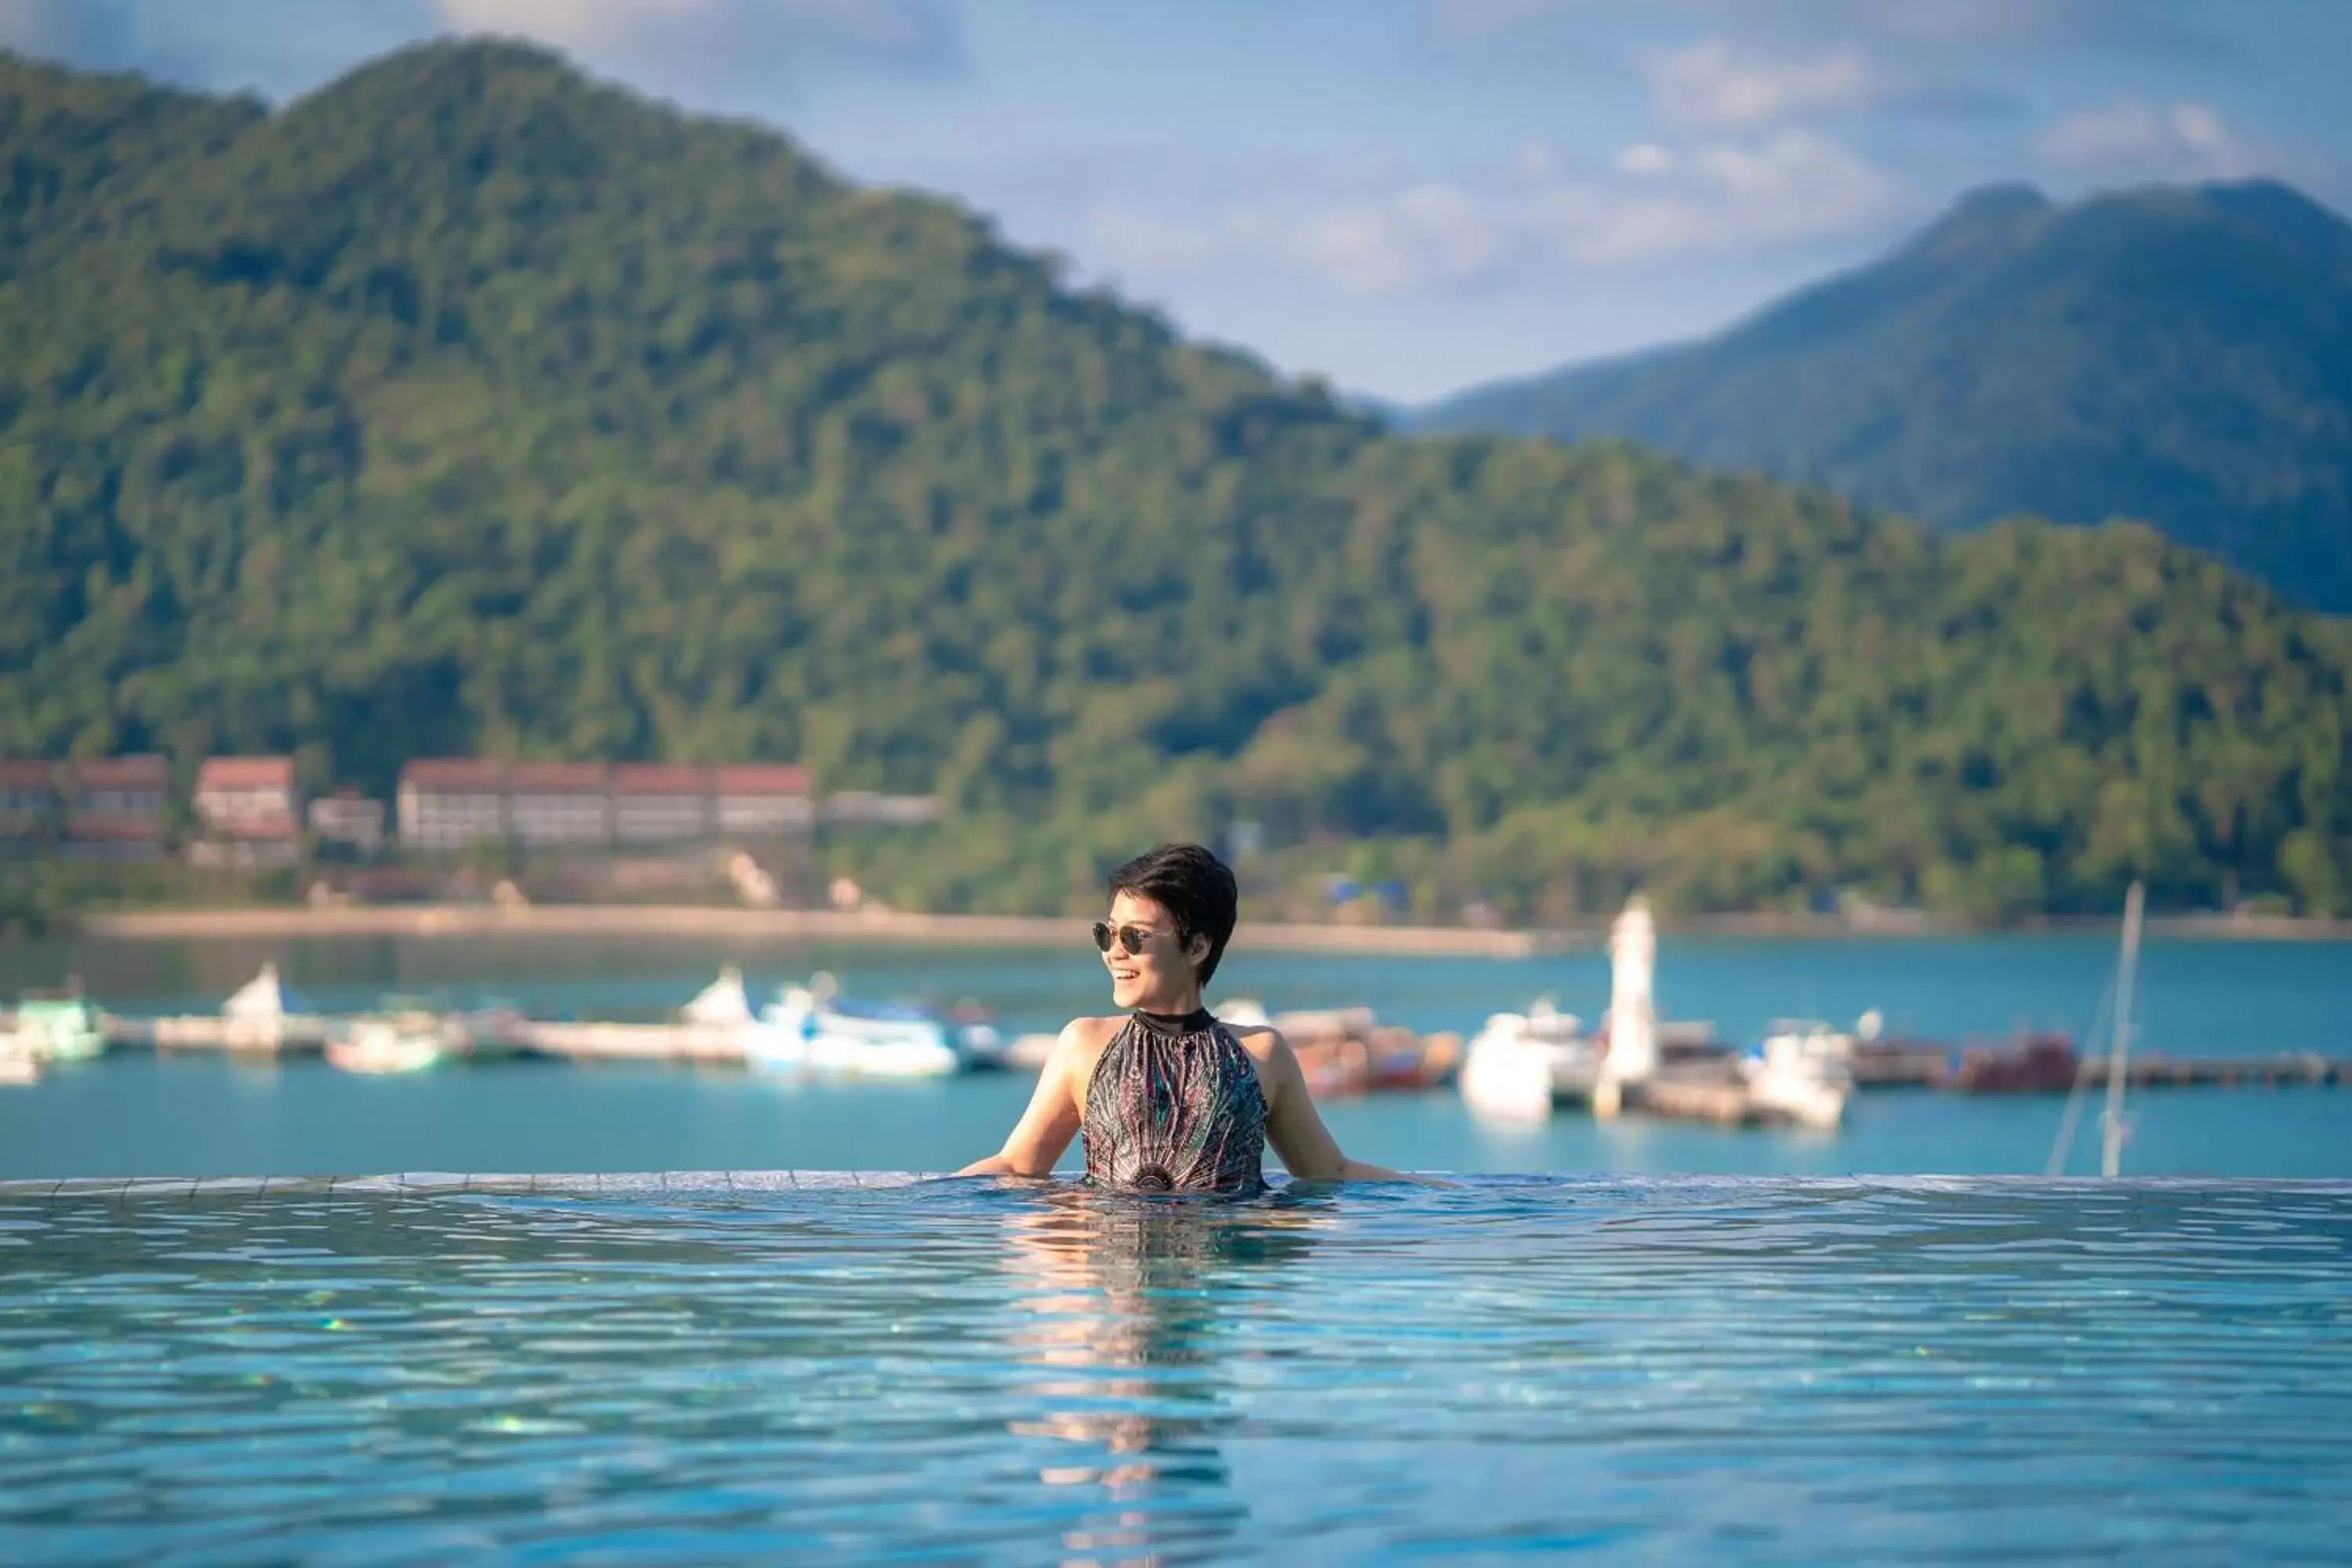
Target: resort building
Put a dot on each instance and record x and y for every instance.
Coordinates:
(114, 807)
(652, 804)
(762, 800)
(349, 818)
(249, 810)
(554, 803)
(448, 805)
(864, 808)
(29, 804)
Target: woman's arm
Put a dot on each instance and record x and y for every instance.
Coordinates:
(1296, 1129)
(1045, 1128)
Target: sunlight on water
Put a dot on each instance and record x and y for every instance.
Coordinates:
(1725, 1370)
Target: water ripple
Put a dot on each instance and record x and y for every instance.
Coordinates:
(1734, 1371)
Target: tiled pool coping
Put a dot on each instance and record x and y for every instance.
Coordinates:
(442, 1183)
(705, 1184)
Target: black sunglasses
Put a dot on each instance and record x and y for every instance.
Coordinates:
(1130, 938)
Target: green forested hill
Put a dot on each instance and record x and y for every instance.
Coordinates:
(2179, 355)
(470, 407)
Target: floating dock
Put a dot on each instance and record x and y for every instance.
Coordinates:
(2048, 1064)
(721, 1043)
(204, 1032)
(1349, 1053)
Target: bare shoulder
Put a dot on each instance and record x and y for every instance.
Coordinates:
(1093, 1033)
(1082, 1041)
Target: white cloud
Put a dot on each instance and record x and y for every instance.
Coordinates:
(737, 36)
(1718, 84)
(2162, 27)
(2182, 139)
(1657, 205)
(1644, 159)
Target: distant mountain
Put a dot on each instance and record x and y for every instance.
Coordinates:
(2182, 356)
(468, 405)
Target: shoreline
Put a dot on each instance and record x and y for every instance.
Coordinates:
(904, 929)
(793, 926)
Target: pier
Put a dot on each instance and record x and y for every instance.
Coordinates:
(632, 1042)
(2048, 1064)
(2033, 1065)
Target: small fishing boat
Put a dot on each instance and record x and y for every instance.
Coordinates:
(721, 1005)
(1802, 1072)
(1521, 1064)
(984, 1047)
(58, 1027)
(1805, 1040)
(809, 1029)
(401, 1042)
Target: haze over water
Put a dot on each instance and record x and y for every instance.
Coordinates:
(133, 1114)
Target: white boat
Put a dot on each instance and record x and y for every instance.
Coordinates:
(1521, 1064)
(722, 1004)
(58, 1026)
(1811, 1038)
(1804, 1072)
(393, 1043)
(18, 1069)
(806, 1030)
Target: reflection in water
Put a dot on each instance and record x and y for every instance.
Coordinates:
(1117, 1307)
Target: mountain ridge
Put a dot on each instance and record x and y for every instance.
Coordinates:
(2171, 354)
(471, 407)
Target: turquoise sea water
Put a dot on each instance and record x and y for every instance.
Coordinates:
(195, 1116)
(1680, 1370)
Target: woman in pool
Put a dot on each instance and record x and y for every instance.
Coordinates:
(1168, 1097)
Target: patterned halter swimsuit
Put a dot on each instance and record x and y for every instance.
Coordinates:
(1174, 1105)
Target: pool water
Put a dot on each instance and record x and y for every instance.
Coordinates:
(692, 1368)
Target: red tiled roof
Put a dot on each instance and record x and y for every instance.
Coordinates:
(245, 772)
(18, 772)
(762, 778)
(556, 777)
(468, 773)
(655, 778)
(145, 772)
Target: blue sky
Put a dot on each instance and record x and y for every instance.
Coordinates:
(1407, 197)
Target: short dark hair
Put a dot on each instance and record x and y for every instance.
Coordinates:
(1195, 889)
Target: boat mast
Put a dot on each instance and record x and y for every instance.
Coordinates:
(2111, 1122)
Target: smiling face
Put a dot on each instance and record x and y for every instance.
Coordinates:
(1161, 978)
